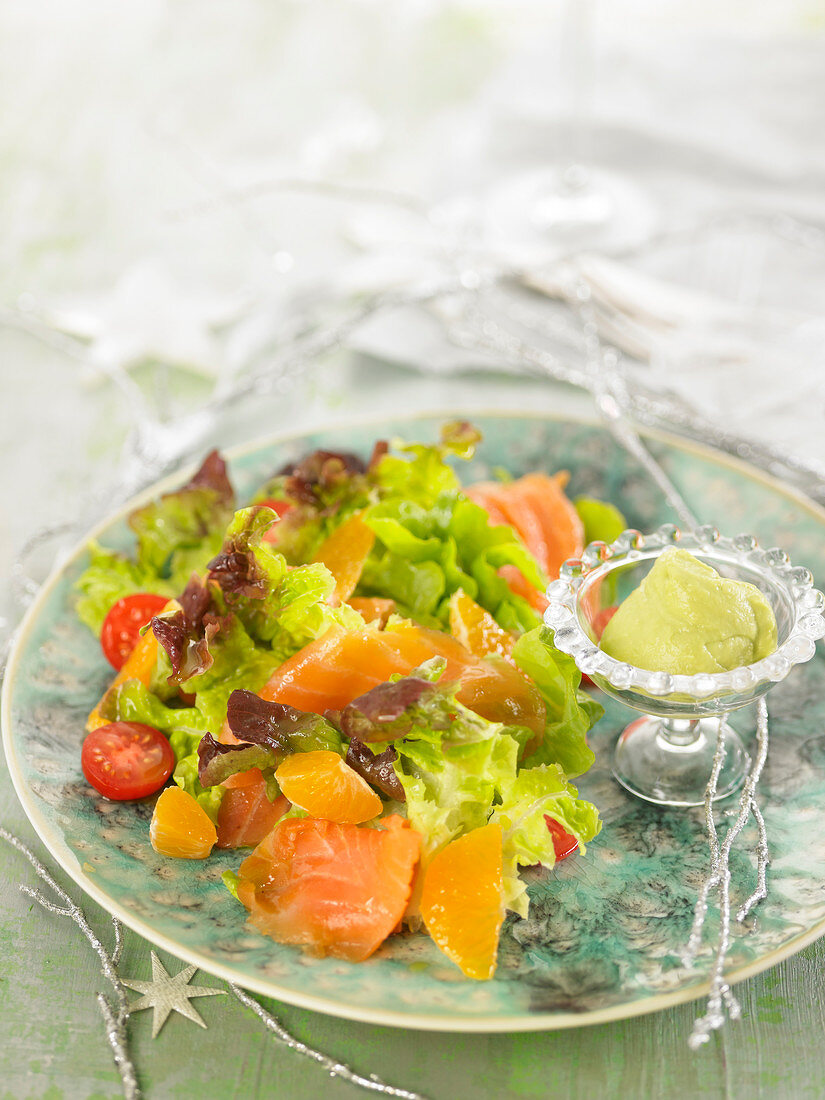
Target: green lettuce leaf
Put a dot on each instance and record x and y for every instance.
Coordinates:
(231, 879)
(132, 701)
(423, 555)
(176, 535)
(525, 800)
(450, 785)
(279, 608)
(236, 662)
(570, 712)
(189, 521)
(108, 578)
(603, 522)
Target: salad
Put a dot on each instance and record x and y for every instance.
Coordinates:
(344, 693)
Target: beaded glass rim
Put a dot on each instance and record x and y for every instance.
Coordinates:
(632, 546)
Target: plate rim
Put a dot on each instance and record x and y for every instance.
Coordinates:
(448, 1023)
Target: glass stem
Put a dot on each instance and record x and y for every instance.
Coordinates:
(680, 732)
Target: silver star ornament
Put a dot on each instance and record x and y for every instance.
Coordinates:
(169, 993)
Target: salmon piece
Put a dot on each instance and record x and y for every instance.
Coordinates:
(246, 815)
(518, 583)
(373, 609)
(541, 514)
(333, 670)
(333, 889)
(341, 665)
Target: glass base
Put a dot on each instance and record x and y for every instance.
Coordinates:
(669, 762)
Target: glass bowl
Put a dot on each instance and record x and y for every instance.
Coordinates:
(666, 756)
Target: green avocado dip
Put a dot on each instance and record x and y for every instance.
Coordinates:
(685, 618)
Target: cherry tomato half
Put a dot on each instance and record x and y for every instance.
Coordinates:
(121, 627)
(281, 507)
(564, 843)
(126, 760)
(599, 624)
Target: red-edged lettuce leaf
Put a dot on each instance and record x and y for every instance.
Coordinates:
(263, 722)
(280, 608)
(217, 762)
(189, 522)
(268, 733)
(277, 725)
(322, 489)
(376, 768)
(187, 633)
(390, 711)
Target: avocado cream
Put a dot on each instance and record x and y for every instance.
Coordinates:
(685, 618)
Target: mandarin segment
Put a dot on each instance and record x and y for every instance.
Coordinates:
(324, 785)
(181, 827)
(476, 628)
(461, 900)
(139, 665)
(344, 553)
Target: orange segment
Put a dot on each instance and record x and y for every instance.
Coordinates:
(181, 827)
(461, 900)
(344, 553)
(325, 786)
(138, 666)
(476, 628)
(334, 889)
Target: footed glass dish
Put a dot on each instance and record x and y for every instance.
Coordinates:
(666, 756)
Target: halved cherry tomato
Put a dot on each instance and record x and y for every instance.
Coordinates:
(564, 843)
(281, 507)
(602, 619)
(122, 626)
(126, 760)
(599, 623)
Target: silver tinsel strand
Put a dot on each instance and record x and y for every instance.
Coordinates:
(719, 879)
(333, 1068)
(115, 1015)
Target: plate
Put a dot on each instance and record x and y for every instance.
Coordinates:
(605, 932)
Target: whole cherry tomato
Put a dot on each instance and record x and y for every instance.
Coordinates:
(126, 760)
(122, 626)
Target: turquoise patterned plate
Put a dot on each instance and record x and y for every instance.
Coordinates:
(605, 931)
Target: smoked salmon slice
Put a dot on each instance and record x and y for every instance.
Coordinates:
(246, 815)
(536, 507)
(341, 665)
(333, 889)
